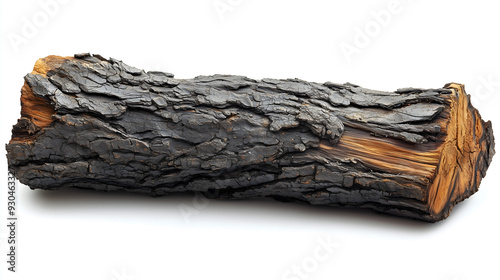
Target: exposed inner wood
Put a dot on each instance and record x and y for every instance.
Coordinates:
(450, 167)
(384, 154)
(90, 122)
(44, 65)
(36, 110)
(459, 170)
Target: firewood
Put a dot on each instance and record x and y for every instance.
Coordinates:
(95, 123)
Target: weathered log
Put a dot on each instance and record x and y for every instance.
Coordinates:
(90, 122)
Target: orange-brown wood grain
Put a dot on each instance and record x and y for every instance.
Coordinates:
(411, 152)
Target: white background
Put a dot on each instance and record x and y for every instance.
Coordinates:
(94, 235)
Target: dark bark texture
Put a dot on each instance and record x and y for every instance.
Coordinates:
(115, 127)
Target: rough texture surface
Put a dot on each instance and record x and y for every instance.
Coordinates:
(90, 122)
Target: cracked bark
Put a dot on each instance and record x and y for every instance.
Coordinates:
(90, 122)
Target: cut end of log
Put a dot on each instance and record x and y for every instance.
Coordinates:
(465, 155)
(44, 65)
(450, 168)
(36, 112)
(89, 122)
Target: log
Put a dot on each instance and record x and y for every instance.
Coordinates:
(95, 123)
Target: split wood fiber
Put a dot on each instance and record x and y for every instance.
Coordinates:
(95, 123)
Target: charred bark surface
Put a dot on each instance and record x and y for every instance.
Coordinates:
(90, 122)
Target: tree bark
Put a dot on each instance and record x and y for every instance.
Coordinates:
(95, 123)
